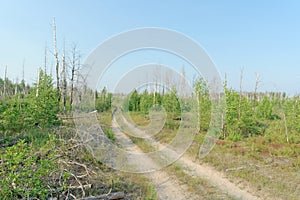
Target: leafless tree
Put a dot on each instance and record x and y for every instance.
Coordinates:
(64, 81)
(23, 78)
(182, 83)
(257, 82)
(5, 79)
(285, 127)
(241, 94)
(75, 66)
(37, 83)
(45, 59)
(56, 59)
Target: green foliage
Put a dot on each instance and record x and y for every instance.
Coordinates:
(134, 101)
(152, 194)
(43, 106)
(240, 121)
(39, 108)
(171, 103)
(12, 119)
(103, 102)
(204, 103)
(264, 110)
(14, 88)
(146, 102)
(24, 173)
(110, 134)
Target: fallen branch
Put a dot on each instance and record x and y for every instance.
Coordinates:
(111, 196)
(235, 169)
(88, 186)
(81, 186)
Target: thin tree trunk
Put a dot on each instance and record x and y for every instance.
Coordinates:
(286, 129)
(72, 76)
(240, 98)
(182, 82)
(37, 84)
(23, 79)
(257, 81)
(5, 77)
(64, 82)
(56, 61)
(45, 60)
(16, 87)
(294, 113)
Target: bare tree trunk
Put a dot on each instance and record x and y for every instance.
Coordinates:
(241, 91)
(257, 81)
(286, 129)
(16, 86)
(57, 60)
(294, 113)
(64, 82)
(23, 78)
(73, 63)
(5, 77)
(182, 82)
(37, 84)
(45, 59)
(224, 113)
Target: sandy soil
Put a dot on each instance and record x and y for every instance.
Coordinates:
(169, 187)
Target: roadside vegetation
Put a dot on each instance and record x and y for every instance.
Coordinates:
(41, 155)
(258, 146)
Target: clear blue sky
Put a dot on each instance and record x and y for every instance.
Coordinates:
(261, 36)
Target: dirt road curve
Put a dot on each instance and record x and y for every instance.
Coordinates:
(170, 187)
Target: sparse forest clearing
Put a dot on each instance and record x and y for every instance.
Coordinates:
(255, 157)
(147, 115)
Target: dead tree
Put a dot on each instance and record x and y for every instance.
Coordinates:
(285, 127)
(23, 79)
(182, 83)
(5, 77)
(45, 59)
(64, 81)
(257, 82)
(240, 98)
(56, 60)
(74, 69)
(38, 83)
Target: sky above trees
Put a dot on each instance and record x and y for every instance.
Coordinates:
(260, 36)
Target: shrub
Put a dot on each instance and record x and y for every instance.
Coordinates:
(23, 173)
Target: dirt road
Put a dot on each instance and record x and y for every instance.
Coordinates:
(170, 187)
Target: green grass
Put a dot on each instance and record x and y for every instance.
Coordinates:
(256, 163)
(265, 162)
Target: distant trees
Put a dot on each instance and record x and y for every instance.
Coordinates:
(204, 104)
(249, 114)
(240, 122)
(246, 113)
(145, 101)
(103, 100)
(19, 112)
(12, 88)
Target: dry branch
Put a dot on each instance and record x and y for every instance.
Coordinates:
(111, 196)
